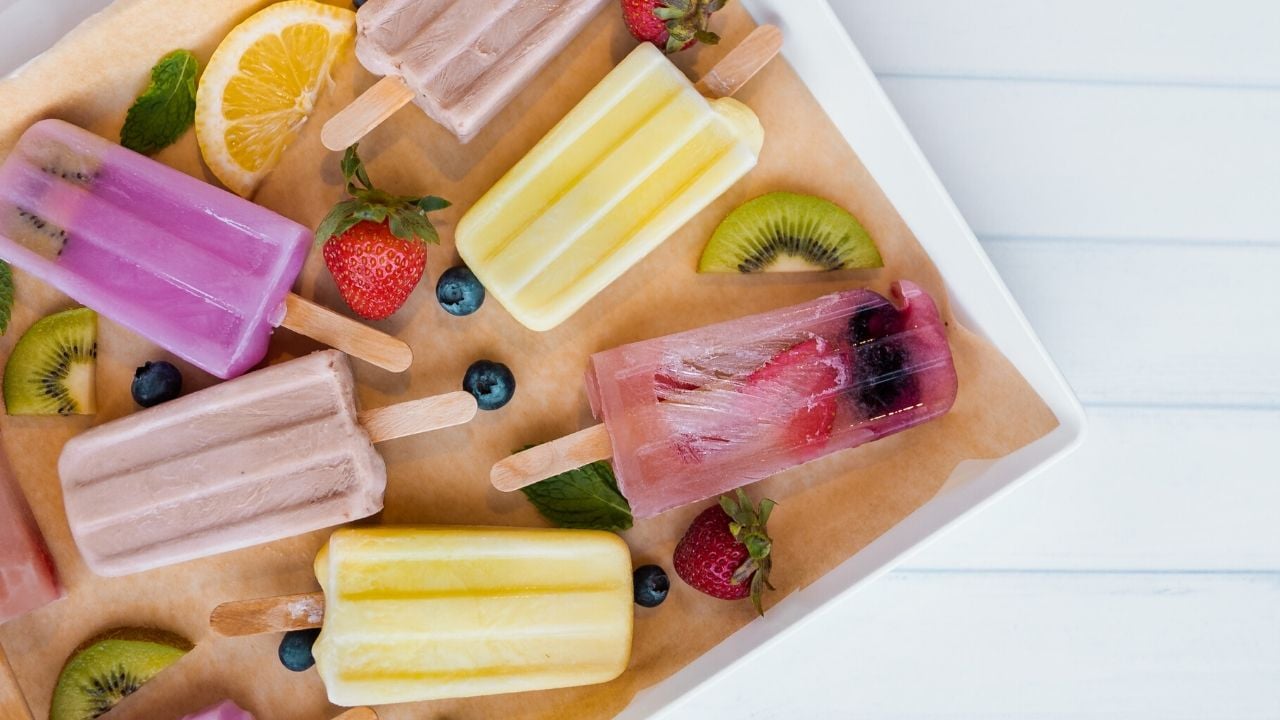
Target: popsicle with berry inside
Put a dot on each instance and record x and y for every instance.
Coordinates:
(694, 414)
(193, 268)
(28, 579)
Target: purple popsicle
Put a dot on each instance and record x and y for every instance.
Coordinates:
(195, 269)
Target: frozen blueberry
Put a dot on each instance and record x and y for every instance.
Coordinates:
(358, 3)
(651, 585)
(295, 649)
(459, 292)
(873, 320)
(156, 382)
(491, 382)
(886, 383)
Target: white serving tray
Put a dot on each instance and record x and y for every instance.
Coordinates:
(835, 72)
(827, 61)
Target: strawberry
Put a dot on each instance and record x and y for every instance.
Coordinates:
(672, 25)
(726, 552)
(375, 243)
(809, 369)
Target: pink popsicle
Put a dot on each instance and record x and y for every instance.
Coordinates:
(193, 268)
(225, 710)
(28, 579)
(698, 413)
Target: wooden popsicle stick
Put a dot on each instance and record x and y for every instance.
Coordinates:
(360, 713)
(418, 416)
(365, 113)
(268, 615)
(742, 63)
(543, 461)
(13, 706)
(351, 337)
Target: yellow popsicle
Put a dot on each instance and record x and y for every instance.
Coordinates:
(635, 160)
(423, 613)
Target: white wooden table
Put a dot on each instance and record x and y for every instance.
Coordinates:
(1120, 160)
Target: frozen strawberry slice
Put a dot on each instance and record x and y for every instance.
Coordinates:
(806, 375)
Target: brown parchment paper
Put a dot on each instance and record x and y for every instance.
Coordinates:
(829, 509)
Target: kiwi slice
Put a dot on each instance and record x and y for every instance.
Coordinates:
(51, 370)
(789, 232)
(111, 666)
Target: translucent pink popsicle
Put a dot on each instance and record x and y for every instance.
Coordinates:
(225, 710)
(698, 413)
(191, 267)
(28, 579)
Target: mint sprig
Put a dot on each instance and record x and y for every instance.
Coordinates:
(166, 108)
(585, 498)
(6, 296)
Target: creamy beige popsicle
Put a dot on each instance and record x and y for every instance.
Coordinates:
(275, 453)
(461, 61)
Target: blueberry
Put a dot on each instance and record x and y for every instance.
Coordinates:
(156, 382)
(358, 3)
(886, 384)
(874, 320)
(295, 649)
(651, 585)
(491, 382)
(459, 292)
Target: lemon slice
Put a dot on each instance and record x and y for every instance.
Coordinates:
(261, 85)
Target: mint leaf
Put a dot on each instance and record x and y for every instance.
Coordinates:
(585, 498)
(166, 108)
(6, 295)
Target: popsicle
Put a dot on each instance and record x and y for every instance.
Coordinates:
(275, 453)
(28, 579)
(692, 415)
(461, 62)
(642, 153)
(195, 269)
(425, 613)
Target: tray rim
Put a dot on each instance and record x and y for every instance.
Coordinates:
(858, 105)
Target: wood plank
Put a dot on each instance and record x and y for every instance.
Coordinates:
(1150, 489)
(1226, 41)
(995, 645)
(1069, 160)
(1153, 323)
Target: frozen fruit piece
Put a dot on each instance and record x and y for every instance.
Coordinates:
(788, 232)
(812, 369)
(28, 579)
(155, 382)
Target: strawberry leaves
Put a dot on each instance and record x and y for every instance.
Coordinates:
(405, 216)
(748, 526)
(686, 21)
